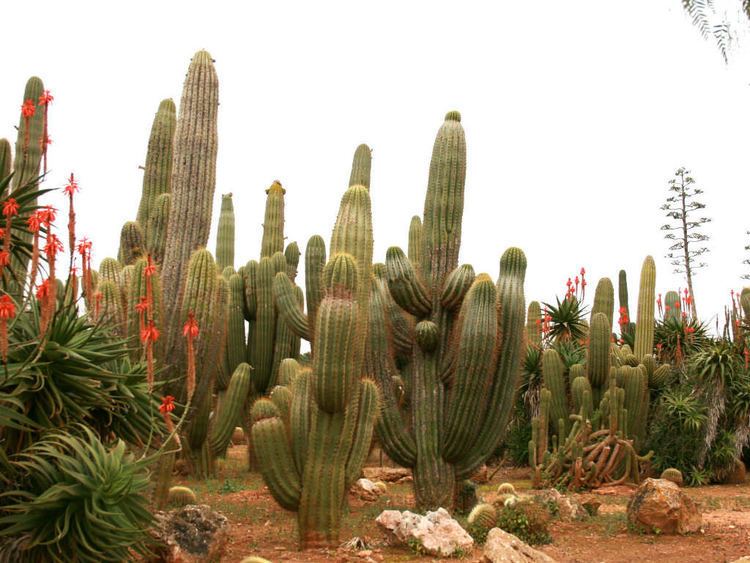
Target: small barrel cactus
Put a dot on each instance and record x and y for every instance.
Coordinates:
(672, 474)
(180, 496)
(506, 489)
(481, 520)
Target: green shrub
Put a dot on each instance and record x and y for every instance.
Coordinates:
(527, 520)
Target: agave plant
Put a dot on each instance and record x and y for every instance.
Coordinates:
(566, 321)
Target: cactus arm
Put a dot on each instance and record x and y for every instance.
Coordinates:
(276, 462)
(156, 227)
(597, 364)
(414, 249)
(227, 416)
(289, 307)
(315, 260)
(406, 289)
(300, 417)
(273, 222)
(261, 357)
(511, 319)
(361, 165)
(225, 234)
(132, 244)
(392, 431)
(157, 175)
(456, 285)
(476, 357)
(235, 352)
(5, 159)
(604, 300)
(250, 284)
(367, 411)
(553, 372)
(443, 208)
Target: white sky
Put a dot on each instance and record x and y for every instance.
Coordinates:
(576, 116)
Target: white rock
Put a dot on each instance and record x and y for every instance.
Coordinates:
(435, 532)
(502, 547)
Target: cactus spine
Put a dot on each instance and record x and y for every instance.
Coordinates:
(331, 409)
(644, 328)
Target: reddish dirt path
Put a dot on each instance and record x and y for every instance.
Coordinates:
(260, 527)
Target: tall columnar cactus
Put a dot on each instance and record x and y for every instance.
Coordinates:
(604, 299)
(462, 384)
(157, 175)
(622, 289)
(235, 348)
(193, 185)
(414, 250)
(361, 165)
(225, 234)
(28, 155)
(598, 355)
(635, 383)
(310, 461)
(534, 325)
(553, 373)
(644, 328)
(672, 305)
(132, 244)
(156, 229)
(229, 411)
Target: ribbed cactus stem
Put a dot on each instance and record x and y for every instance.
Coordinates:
(225, 234)
(157, 174)
(672, 305)
(644, 328)
(361, 164)
(6, 159)
(132, 245)
(193, 185)
(553, 372)
(28, 155)
(443, 208)
(604, 300)
(597, 363)
(622, 289)
(228, 415)
(273, 222)
(534, 325)
(156, 228)
(414, 250)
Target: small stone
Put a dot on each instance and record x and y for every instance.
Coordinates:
(366, 490)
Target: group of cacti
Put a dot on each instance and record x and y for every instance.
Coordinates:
(597, 413)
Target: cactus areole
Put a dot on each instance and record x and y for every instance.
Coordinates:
(468, 339)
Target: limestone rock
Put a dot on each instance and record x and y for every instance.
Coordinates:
(660, 505)
(502, 547)
(568, 508)
(436, 532)
(190, 534)
(367, 490)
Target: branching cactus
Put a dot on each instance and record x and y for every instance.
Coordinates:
(310, 460)
(464, 374)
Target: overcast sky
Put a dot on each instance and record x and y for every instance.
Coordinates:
(576, 116)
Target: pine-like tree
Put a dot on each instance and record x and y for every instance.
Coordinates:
(684, 230)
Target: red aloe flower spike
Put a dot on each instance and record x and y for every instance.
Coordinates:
(44, 295)
(141, 308)
(149, 335)
(69, 190)
(166, 407)
(190, 330)
(746, 353)
(45, 100)
(7, 312)
(28, 109)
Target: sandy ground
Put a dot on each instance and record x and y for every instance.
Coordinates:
(260, 527)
